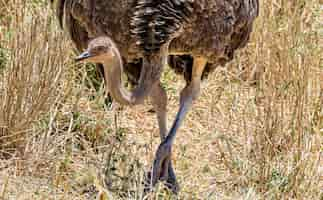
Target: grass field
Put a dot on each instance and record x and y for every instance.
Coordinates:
(256, 131)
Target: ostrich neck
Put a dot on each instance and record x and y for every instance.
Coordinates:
(113, 70)
(150, 73)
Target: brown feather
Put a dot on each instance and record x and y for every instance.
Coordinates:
(215, 29)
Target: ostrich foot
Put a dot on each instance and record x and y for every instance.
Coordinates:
(163, 170)
(171, 182)
(161, 163)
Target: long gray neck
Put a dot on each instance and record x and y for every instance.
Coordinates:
(150, 74)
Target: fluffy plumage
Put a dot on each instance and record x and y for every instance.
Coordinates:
(155, 22)
(212, 28)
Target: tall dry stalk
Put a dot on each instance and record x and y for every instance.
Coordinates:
(282, 124)
(30, 81)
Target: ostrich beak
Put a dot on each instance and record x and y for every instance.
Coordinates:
(85, 55)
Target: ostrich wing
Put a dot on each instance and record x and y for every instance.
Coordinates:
(77, 31)
(156, 22)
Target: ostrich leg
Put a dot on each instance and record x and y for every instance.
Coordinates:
(159, 101)
(188, 95)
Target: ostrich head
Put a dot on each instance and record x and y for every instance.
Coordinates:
(99, 49)
(104, 51)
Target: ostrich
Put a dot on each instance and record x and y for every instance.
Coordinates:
(138, 37)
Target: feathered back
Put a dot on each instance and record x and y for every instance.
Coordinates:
(155, 22)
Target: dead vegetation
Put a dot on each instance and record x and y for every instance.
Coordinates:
(255, 133)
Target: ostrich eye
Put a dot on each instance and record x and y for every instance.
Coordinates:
(99, 49)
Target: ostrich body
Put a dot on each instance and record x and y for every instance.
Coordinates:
(138, 36)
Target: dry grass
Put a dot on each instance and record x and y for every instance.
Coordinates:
(255, 133)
